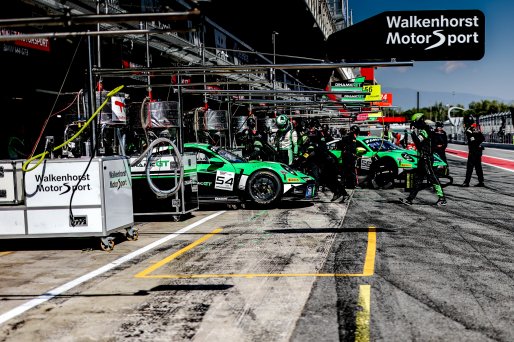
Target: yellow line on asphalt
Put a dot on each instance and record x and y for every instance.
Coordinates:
(369, 264)
(250, 275)
(362, 318)
(176, 254)
(4, 253)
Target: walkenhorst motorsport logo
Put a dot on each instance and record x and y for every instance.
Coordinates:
(412, 36)
(65, 183)
(438, 37)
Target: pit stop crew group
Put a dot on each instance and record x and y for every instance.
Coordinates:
(303, 145)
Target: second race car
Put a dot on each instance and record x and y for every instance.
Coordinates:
(380, 163)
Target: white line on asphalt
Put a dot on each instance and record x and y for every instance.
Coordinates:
(465, 158)
(63, 288)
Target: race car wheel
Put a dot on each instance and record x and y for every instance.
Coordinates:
(264, 187)
(383, 175)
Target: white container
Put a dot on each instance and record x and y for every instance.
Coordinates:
(101, 203)
(11, 182)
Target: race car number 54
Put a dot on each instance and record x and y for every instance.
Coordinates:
(224, 180)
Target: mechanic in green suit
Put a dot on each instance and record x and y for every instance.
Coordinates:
(422, 137)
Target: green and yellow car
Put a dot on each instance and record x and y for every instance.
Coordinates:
(225, 177)
(381, 163)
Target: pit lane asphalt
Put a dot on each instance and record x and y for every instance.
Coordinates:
(295, 273)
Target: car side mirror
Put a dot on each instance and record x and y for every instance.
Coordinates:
(215, 161)
(360, 151)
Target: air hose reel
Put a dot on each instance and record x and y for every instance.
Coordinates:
(148, 155)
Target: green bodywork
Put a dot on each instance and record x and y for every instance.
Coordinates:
(385, 151)
(242, 166)
(222, 174)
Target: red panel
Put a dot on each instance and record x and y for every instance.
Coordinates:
(368, 73)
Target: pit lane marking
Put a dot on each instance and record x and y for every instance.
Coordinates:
(368, 269)
(362, 318)
(486, 160)
(69, 285)
(164, 261)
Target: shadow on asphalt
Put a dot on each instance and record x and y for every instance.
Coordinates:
(327, 230)
(67, 243)
(193, 287)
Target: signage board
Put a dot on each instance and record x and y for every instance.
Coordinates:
(438, 35)
(375, 92)
(386, 100)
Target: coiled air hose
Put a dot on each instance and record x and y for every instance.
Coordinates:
(148, 154)
(144, 117)
(40, 157)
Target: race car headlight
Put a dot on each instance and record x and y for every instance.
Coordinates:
(289, 169)
(408, 157)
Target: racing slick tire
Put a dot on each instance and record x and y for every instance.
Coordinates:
(264, 187)
(383, 175)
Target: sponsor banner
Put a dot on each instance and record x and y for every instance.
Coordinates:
(157, 164)
(386, 100)
(356, 84)
(375, 115)
(24, 47)
(361, 117)
(369, 116)
(375, 92)
(41, 44)
(439, 35)
(392, 119)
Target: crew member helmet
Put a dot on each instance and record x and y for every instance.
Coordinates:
(418, 120)
(469, 120)
(417, 117)
(251, 123)
(355, 129)
(282, 121)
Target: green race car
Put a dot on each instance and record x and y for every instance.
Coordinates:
(225, 177)
(381, 163)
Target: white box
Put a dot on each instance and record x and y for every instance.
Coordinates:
(11, 182)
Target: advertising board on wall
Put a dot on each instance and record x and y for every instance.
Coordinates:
(412, 36)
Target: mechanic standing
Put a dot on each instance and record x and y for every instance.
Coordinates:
(440, 142)
(422, 136)
(316, 154)
(405, 140)
(387, 134)
(305, 147)
(348, 147)
(286, 140)
(255, 143)
(475, 140)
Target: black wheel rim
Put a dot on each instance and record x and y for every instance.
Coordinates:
(264, 188)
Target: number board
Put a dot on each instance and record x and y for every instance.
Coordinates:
(365, 163)
(224, 180)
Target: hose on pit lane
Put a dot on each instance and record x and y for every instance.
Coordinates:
(40, 157)
(148, 155)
